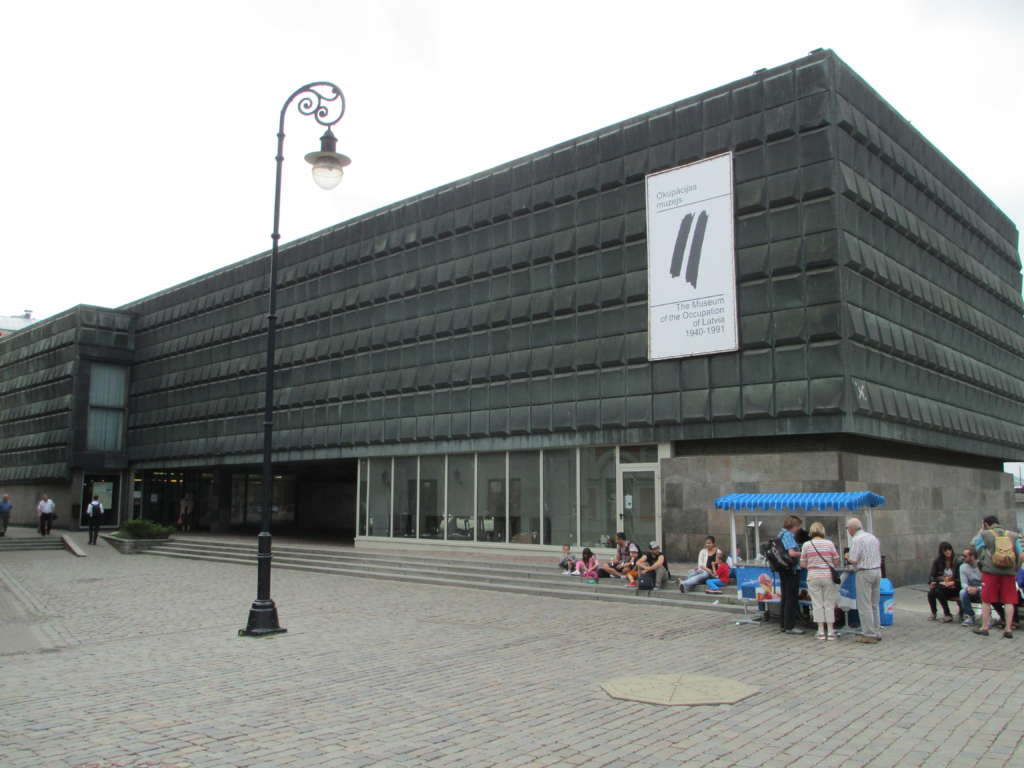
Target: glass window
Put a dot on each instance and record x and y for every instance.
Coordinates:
(237, 499)
(364, 468)
(431, 497)
(490, 489)
(560, 497)
(105, 429)
(282, 508)
(524, 497)
(638, 454)
(598, 518)
(379, 523)
(460, 497)
(404, 515)
(254, 500)
(108, 384)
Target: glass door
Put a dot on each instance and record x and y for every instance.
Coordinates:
(640, 512)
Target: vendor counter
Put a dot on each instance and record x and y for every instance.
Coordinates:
(759, 582)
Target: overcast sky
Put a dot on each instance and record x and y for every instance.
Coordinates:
(140, 137)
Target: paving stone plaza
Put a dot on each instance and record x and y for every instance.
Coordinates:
(137, 663)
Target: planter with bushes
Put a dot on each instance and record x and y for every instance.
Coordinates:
(137, 536)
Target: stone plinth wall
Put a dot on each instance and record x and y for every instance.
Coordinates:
(25, 497)
(926, 503)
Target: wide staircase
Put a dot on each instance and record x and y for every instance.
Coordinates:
(10, 543)
(519, 577)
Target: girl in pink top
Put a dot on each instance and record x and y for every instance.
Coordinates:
(816, 556)
(588, 565)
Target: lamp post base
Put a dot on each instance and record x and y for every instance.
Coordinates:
(262, 620)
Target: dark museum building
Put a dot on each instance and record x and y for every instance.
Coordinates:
(470, 367)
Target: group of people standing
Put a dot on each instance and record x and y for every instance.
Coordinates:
(820, 558)
(988, 572)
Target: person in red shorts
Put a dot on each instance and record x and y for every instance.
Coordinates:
(999, 555)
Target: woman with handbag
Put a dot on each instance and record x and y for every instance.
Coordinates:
(820, 557)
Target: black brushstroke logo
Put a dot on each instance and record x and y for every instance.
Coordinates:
(693, 264)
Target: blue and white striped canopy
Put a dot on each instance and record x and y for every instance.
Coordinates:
(804, 501)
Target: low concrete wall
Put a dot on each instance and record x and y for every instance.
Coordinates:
(926, 503)
(131, 546)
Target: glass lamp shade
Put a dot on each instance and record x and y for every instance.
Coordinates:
(328, 168)
(327, 173)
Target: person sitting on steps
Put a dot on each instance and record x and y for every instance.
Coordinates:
(943, 582)
(721, 579)
(703, 571)
(626, 553)
(568, 561)
(654, 563)
(588, 565)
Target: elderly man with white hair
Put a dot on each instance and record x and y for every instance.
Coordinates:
(866, 556)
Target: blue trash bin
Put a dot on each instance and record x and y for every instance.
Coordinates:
(885, 598)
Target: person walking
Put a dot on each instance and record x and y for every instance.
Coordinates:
(865, 556)
(999, 554)
(819, 556)
(45, 512)
(5, 514)
(95, 513)
(789, 579)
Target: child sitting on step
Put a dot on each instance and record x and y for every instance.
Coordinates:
(568, 561)
(721, 579)
(588, 565)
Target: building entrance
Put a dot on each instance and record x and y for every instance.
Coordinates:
(108, 488)
(639, 515)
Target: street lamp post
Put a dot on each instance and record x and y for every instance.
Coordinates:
(328, 168)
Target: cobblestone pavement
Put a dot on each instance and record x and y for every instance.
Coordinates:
(147, 670)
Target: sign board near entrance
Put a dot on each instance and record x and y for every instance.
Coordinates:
(105, 491)
(691, 260)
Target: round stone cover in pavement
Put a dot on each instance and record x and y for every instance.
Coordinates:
(678, 690)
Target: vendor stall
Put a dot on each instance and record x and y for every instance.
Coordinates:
(754, 579)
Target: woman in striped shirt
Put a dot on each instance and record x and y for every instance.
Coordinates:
(816, 556)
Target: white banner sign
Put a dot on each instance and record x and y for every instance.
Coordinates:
(691, 261)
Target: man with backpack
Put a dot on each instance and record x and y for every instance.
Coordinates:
(95, 513)
(652, 569)
(999, 554)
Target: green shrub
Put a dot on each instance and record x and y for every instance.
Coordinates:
(143, 529)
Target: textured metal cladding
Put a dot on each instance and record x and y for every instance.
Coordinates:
(933, 288)
(511, 306)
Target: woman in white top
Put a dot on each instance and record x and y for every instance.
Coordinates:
(816, 556)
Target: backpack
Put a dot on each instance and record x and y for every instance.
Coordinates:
(645, 581)
(777, 555)
(93, 508)
(1004, 556)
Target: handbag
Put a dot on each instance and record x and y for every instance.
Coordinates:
(836, 578)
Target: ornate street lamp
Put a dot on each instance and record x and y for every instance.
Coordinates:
(328, 168)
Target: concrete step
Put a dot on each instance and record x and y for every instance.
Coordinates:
(30, 545)
(354, 555)
(471, 577)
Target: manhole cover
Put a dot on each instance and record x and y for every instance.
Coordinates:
(678, 690)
